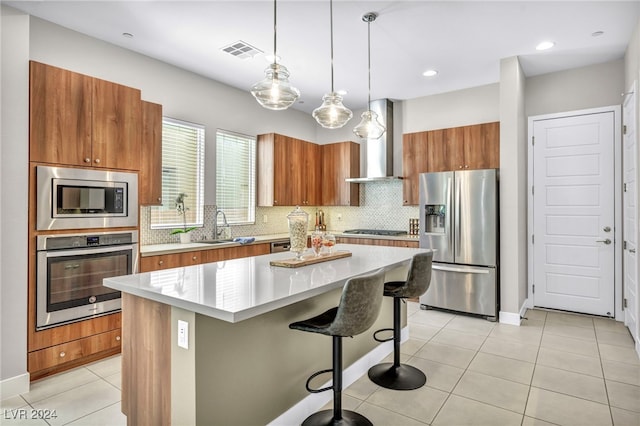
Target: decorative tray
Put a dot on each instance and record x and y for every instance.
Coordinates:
(310, 259)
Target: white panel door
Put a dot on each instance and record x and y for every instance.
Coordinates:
(630, 213)
(573, 213)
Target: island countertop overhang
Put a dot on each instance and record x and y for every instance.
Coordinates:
(239, 289)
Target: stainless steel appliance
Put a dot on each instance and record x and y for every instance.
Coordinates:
(459, 220)
(280, 246)
(70, 272)
(81, 199)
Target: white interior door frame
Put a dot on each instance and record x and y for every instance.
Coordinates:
(617, 113)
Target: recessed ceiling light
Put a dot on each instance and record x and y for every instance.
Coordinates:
(545, 45)
(127, 35)
(430, 73)
(597, 33)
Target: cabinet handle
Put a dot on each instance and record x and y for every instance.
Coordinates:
(118, 338)
(466, 166)
(195, 258)
(160, 262)
(62, 354)
(87, 160)
(160, 199)
(97, 160)
(460, 167)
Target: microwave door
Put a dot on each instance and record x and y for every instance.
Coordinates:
(437, 214)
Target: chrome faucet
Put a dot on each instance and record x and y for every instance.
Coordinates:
(217, 232)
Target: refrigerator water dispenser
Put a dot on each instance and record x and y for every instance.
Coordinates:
(434, 218)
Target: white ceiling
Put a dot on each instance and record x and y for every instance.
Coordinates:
(464, 41)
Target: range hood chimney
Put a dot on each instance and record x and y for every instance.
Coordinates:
(379, 152)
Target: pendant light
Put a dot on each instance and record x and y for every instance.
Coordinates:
(332, 114)
(369, 127)
(274, 91)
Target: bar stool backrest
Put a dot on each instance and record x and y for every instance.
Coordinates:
(359, 305)
(419, 276)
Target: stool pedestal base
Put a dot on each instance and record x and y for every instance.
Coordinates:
(326, 418)
(401, 377)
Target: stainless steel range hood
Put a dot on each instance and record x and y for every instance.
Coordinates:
(379, 152)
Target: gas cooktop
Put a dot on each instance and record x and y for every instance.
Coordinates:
(385, 232)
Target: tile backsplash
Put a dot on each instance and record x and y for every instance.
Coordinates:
(380, 208)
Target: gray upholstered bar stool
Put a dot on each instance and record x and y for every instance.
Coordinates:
(395, 375)
(358, 310)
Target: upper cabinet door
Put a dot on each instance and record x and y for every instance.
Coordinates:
(340, 161)
(482, 146)
(116, 111)
(78, 120)
(150, 178)
(60, 116)
(414, 161)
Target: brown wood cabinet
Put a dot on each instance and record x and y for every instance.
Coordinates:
(55, 356)
(78, 120)
(340, 161)
(288, 171)
(459, 148)
(176, 260)
(377, 242)
(150, 177)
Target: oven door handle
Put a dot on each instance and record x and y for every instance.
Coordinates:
(91, 250)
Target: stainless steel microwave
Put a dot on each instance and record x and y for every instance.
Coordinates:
(84, 199)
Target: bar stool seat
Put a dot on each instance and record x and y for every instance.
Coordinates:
(395, 375)
(357, 311)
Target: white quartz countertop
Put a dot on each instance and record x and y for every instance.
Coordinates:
(235, 290)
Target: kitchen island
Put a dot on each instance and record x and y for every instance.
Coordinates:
(243, 365)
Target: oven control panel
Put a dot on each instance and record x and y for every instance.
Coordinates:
(61, 242)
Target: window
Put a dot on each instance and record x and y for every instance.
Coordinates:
(182, 172)
(235, 176)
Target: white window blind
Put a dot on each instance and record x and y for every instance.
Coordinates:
(236, 176)
(182, 172)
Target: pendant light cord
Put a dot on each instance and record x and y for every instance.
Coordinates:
(369, 61)
(275, 32)
(331, 30)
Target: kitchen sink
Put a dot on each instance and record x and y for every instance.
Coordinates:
(214, 241)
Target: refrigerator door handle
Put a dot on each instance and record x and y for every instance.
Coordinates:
(463, 269)
(451, 229)
(458, 207)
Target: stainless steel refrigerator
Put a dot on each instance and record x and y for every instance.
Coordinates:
(459, 220)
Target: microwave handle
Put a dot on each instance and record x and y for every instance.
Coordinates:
(88, 250)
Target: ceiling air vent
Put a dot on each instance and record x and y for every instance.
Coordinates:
(241, 50)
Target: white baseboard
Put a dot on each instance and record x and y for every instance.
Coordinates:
(525, 306)
(315, 401)
(509, 318)
(14, 386)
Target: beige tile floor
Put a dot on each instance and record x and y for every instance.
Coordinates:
(556, 369)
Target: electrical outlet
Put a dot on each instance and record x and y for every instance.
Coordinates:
(183, 334)
(265, 219)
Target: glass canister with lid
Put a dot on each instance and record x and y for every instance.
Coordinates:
(298, 225)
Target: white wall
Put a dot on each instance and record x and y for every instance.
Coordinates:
(513, 191)
(581, 88)
(13, 201)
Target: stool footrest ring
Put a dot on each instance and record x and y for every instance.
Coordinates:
(313, 376)
(375, 335)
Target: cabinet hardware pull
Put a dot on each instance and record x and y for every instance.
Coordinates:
(195, 257)
(118, 338)
(160, 199)
(62, 354)
(160, 262)
(97, 160)
(87, 160)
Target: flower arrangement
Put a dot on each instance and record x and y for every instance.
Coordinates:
(182, 210)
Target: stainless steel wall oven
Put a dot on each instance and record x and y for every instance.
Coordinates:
(70, 272)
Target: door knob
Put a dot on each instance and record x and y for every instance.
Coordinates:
(606, 241)
(607, 229)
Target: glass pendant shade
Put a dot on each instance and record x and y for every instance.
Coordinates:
(332, 114)
(274, 91)
(369, 127)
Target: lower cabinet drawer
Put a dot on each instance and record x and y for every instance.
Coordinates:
(71, 351)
